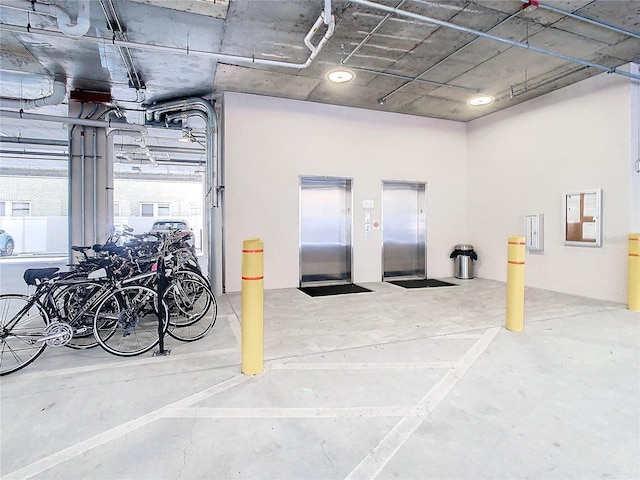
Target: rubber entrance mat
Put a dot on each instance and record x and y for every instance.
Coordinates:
(327, 290)
(423, 283)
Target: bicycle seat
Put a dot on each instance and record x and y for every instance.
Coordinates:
(34, 276)
(75, 248)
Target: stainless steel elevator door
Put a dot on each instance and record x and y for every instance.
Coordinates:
(325, 230)
(404, 232)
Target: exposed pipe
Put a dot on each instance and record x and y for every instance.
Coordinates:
(370, 34)
(56, 97)
(95, 186)
(82, 21)
(74, 121)
(34, 141)
(83, 221)
(382, 100)
(514, 43)
(77, 29)
(221, 57)
(411, 80)
(195, 106)
(528, 3)
(33, 154)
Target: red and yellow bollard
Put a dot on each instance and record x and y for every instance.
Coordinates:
(252, 306)
(515, 284)
(633, 295)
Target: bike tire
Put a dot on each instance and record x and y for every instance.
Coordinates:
(126, 321)
(19, 344)
(192, 308)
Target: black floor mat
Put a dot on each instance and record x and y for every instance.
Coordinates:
(422, 283)
(327, 290)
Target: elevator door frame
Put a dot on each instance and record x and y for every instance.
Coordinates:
(421, 227)
(348, 234)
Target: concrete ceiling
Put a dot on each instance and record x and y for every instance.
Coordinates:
(419, 57)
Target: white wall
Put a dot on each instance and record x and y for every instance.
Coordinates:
(522, 159)
(268, 143)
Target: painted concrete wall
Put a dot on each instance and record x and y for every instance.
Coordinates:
(268, 143)
(521, 161)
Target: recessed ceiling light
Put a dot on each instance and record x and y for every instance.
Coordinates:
(340, 76)
(481, 100)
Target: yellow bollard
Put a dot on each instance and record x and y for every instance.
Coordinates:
(634, 272)
(252, 306)
(515, 284)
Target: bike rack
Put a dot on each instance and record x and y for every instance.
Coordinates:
(162, 284)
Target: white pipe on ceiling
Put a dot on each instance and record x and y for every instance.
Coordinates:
(56, 97)
(74, 121)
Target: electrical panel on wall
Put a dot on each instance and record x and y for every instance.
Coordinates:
(534, 232)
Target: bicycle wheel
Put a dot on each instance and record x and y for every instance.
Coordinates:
(22, 329)
(126, 321)
(192, 309)
(71, 305)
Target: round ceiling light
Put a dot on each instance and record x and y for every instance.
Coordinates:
(340, 76)
(481, 100)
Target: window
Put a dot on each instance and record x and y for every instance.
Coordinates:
(3, 211)
(195, 209)
(116, 209)
(164, 210)
(155, 209)
(146, 209)
(20, 209)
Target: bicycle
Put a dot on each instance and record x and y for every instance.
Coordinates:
(30, 323)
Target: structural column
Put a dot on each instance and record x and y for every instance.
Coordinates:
(90, 179)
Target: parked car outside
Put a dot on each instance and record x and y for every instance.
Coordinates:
(165, 226)
(6, 243)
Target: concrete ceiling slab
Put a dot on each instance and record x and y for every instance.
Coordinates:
(392, 50)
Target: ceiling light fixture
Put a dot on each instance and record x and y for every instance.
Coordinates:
(340, 76)
(481, 100)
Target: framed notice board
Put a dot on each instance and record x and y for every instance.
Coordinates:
(582, 213)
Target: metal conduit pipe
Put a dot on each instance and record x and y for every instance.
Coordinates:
(33, 154)
(58, 92)
(83, 220)
(74, 121)
(440, 62)
(411, 80)
(533, 3)
(370, 34)
(95, 186)
(221, 57)
(195, 106)
(514, 43)
(33, 141)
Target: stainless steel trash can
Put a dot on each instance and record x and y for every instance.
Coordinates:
(463, 256)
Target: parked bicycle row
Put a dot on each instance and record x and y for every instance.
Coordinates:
(109, 297)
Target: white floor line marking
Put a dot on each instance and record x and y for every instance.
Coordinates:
(105, 437)
(121, 364)
(459, 336)
(376, 460)
(361, 366)
(234, 323)
(289, 412)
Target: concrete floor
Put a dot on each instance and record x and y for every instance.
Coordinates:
(409, 384)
